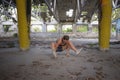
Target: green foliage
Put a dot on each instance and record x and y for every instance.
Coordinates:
(15, 35)
(116, 14)
(43, 8)
(113, 28)
(52, 30)
(68, 30)
(82, 29)
(95, 29)
(36, 29)
(6, 28)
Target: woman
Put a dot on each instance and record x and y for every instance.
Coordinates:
(63, 44)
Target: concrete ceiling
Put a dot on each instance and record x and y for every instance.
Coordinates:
(81, 8)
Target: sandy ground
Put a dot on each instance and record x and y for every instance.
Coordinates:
(38, 63)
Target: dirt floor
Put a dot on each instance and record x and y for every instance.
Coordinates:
(38, 63)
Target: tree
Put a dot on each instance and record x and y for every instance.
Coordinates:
(115, 14)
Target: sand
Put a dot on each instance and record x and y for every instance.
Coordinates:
(38, 63)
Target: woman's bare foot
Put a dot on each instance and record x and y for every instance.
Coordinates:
(78, 52)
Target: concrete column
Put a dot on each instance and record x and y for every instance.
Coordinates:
(118, 29)
(89, 27)
(74, 28)
(105, 25)
(59, 30)
(24, 41)
(1, 27)
(44, 27)
(118, 34)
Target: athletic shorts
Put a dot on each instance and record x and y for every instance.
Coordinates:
(59, 48)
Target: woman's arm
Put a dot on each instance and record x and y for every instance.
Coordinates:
(58, 42)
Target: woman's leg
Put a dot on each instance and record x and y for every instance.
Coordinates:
(72, 46)
(53, 47)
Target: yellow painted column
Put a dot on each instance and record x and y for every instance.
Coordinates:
(24, 41)
(105, 24)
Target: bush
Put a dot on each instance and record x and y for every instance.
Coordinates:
(82, 29)
(15, 35)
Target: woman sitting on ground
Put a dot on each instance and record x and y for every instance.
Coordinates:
(63, 44)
